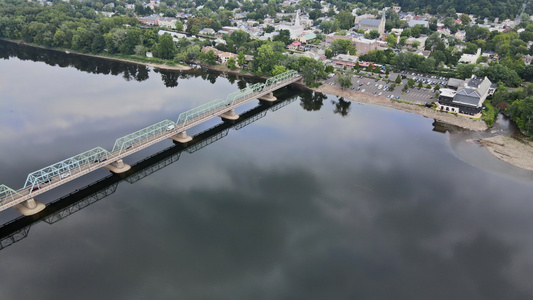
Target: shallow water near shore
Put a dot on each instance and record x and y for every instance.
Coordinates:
(320, 198)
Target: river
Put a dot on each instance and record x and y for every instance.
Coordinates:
(319, 199)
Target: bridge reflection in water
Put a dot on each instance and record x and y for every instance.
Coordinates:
(65, 206)
(78, 165)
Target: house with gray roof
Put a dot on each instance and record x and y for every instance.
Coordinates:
(469, 98)
(372, 24)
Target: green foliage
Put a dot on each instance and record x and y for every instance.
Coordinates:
(231, 63)
(345, 19)
(267, 57)
(279, 70)
(241, 59)
(311, 70)
(344, 79)
(342, 46)
(284, 36)
(398, 79)
(489, 114)
(166, 48)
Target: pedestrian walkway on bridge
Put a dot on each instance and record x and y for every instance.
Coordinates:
(78, 165)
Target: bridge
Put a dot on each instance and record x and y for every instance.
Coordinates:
(54, 175)
(57, 210)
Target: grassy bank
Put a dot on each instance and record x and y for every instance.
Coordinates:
(489, 114)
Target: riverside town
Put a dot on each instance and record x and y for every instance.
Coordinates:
(266, 149)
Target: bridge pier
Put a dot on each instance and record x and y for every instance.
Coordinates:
(29, 207)
(229, 115)
(181, 137)
(268, 97)
(118, 167)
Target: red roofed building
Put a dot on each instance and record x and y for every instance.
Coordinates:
(294, 46)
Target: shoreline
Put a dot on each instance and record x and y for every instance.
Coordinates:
(514, 152)
(510, 150)
(456, 120)
(505, 148)
(68, 51)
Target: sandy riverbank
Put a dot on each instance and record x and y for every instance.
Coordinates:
(511, 151)
(514, 152)
(457, 120)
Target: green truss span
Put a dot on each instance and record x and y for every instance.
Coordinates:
(88, 159)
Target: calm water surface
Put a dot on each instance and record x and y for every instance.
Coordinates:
(320, 199)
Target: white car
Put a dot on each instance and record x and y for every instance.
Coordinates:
(64, 175)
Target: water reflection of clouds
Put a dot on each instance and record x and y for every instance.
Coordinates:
(298, 205)
(78, 99)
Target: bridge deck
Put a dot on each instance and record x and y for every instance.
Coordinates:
(25, 194)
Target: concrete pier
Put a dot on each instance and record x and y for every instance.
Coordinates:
(229, 115)
(29, 207)
(268, 97)
(118, 167)
(181, 137)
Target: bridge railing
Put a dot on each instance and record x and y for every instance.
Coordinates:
(146, 134)
(64, 168)
(7, 193)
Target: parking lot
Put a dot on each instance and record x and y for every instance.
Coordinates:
(363, 84)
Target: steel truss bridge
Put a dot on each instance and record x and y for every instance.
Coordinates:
(18, 229)
(54, 175)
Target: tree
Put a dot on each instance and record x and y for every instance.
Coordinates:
(344, 79)
(411, 82)
(373, 34)
(241, 59)
(391, 40)
(342, 46)
(311, 70)
(345, 18)
(208, 57)
(231, 63)
(266, 58)
(398, 79)
(166, 48)
(465, 19)
(315, 14)
(279, 70)
(284, 36)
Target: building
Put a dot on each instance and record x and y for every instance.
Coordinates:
(150, 20)
(372, 24)
(363, 46)
(469, 98)
(207, 31)
(294, 46)
(414, 22)
(470, 58)
(167, 22)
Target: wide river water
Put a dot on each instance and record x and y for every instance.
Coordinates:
(318, 198)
